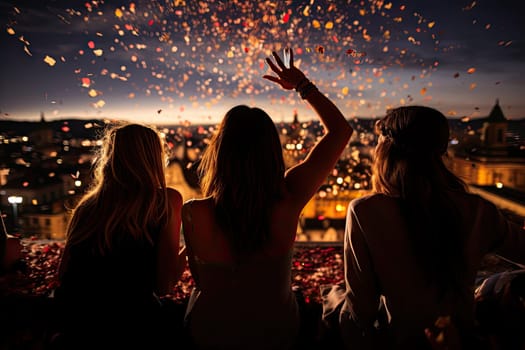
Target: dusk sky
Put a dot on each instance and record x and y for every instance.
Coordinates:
(170, 61)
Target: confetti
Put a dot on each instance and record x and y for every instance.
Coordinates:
(50, 60)
(205, 51)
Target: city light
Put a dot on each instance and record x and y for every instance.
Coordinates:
(15, 199)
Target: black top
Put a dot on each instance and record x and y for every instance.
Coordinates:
(99, 294)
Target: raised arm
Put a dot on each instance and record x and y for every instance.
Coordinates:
(304, 179)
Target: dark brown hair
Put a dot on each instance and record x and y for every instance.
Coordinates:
(243, 170)
(408, 164)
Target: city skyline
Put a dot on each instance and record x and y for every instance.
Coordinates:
(169, 61)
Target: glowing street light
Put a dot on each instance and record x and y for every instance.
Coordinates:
(15, 201)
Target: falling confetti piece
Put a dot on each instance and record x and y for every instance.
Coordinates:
(91, 44)
(306, 11)
(10, 31)
(99, 104)
(471, 70)
(456, 75)
(469, 7)
(316, 24)
(50, 60)
(286, 17)
(118, 13)
(26, 50)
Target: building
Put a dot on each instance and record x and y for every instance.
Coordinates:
(492, 161)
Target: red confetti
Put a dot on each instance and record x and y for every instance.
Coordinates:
(286, 17)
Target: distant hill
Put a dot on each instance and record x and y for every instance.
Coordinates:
(77, 127)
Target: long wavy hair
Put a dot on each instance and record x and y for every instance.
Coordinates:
(128, 194)
(242, 169)
(408, 164)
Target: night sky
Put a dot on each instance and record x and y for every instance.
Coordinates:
(171, 61)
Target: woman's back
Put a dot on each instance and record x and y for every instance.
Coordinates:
(238, 304)
(122, 244)
(413, 303)
(127, 272)
(109, 300)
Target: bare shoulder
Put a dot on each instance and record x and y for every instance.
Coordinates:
(372, 200)
(198, 202)
(197, 205)
(174, 197)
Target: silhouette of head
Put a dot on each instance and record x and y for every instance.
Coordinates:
(415, 130)
(412, 141)
(133, 157)
(244, 154)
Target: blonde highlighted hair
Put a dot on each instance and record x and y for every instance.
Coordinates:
(128, 194)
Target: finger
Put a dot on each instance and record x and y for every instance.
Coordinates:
(286, 57)
(272, 78)
(273, 66)
(291, 57)
(278, 60)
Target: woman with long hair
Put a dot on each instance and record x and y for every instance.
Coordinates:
(122, 246)
(414, 246)
(240, 236)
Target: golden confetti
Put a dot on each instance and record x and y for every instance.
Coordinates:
(50, 60)
(99, 104)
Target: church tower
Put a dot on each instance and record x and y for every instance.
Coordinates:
(494, 130)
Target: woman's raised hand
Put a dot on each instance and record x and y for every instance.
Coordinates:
(288, 77)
